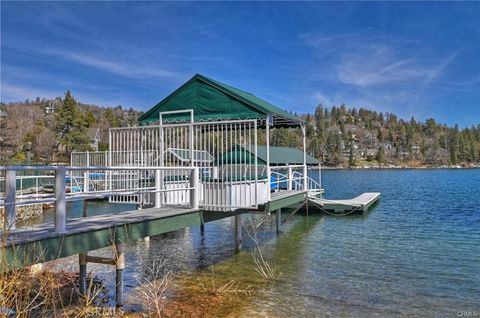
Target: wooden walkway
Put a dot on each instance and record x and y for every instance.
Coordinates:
(285, 198)
(360, 203)
(39, 243)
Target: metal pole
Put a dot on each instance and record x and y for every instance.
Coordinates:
(10, 198)
(120, 265)
(86, 182)
(106, 172)
(290, 177)
(194, 192)
(279, 220)
(256, 165)
(305, 176)
(267, 143)
(158, 187)
(82, 260)
(60, 201)
(238, 233)
(191, 141)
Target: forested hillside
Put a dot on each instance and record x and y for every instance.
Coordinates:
(349, 137)
(48, 130)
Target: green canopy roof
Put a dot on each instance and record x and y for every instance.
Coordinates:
(279, 156)
(212, 101)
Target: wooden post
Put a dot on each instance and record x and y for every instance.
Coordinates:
(10, 199)
(279, 220)
(60, 201)
(238, 233)
(82, 261)
(120, 265)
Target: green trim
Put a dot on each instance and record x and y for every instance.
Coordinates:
(284, 202)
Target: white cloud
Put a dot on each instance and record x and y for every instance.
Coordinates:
(368, 59)
(11, 92)
(322, 99)
(123, 68)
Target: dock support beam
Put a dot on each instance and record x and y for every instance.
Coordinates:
(120, 264)
(82, 260)
(238, 233)
(278, 217)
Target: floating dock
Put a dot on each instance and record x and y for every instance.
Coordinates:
(359, 204)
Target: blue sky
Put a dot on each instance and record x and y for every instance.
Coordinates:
(413, 59)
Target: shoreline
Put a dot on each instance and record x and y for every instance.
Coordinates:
(392, 167)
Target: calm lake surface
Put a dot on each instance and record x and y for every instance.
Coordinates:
(416, 253)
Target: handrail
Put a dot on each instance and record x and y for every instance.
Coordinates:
(285, 167)
(53, 168)
(60, 195)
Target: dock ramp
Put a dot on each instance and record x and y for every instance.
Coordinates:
(359, 204)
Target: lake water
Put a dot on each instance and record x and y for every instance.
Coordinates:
(417, 253)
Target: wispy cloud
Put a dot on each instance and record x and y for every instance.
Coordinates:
(371, 59)
(380, 66)
(122, 68)
(18, 92)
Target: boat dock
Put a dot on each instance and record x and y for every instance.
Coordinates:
(359, 204)
(181, 166)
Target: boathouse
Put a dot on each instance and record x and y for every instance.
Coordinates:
(201, 154)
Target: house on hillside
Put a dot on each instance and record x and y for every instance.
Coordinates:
(93, 135)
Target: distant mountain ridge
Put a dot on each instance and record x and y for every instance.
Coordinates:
(339, 136)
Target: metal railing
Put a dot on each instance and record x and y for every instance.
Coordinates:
(292, 179)
(154, 187)
(224, 151)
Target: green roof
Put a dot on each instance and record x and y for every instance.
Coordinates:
(212, 100)
(279, 156)
(184, 155)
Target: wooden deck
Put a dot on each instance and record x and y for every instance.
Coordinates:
(39, 243)
(359, 204)
(285, 198)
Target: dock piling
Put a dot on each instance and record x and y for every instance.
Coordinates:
(278, 217)
(238, 233)
(82, 259)
(120, 265)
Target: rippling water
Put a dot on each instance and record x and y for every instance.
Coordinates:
(416, 253)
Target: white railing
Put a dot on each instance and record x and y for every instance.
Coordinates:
(36, 184)
(224, 151)
(155, 188)
(292, 179)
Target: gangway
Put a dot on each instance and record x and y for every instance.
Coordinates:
(359, 204)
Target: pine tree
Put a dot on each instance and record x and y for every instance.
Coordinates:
(71, 125)
(380, 155)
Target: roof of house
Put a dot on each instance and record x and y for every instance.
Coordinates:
(212, 100)
(279, 156)
(93, 133)
(184, 155)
